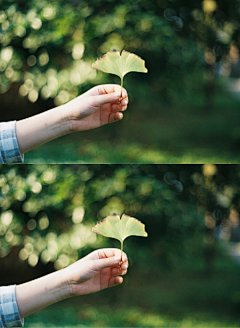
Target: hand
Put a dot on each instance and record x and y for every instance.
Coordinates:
(96, 271)
(96, 107)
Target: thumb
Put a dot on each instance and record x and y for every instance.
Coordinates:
(106, 98)
(106, 262)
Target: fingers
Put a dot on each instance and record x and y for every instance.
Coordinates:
(116, 107)
(116, 274)
(111, 98)
(114, 281)
(114, 117)
(112, 261)
(120, 271)
(110, 93)
(109, 258)
(116, 111)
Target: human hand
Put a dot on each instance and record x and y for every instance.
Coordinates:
(96, 107)
(96, 271)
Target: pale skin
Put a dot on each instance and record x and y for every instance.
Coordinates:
(94, 272)
(96, 107)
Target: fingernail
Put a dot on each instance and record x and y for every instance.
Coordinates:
(124, 102)
(119, 117)
(120, 280)
(124, 266)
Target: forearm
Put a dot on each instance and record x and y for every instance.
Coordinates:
(37, 294)
(39, 129)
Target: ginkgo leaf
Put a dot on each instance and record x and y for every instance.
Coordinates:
(114, 63)
(114, 227)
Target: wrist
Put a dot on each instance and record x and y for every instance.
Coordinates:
(67, 284)
(65, 121)
(59, 123)
(70, 122)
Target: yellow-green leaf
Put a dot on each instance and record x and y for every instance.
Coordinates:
(114, 63)
(114, 227)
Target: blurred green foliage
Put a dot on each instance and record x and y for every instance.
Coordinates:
(48, 47)
(47, 211)
(187, 133)
(180, 298)
(182, 268)
(177, 110)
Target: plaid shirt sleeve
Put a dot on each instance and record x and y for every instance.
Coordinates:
(9, 315)
(9, 150)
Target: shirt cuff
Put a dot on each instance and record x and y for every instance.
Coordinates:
(9, 149)
(9, 314)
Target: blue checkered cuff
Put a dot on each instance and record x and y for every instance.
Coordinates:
(9, 315)
(9, 150)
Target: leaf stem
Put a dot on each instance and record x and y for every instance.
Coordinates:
(121, 255)
(120, 99)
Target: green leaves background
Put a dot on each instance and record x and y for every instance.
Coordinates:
(47, 47)
(47, 212)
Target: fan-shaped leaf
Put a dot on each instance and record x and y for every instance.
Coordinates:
(114, 63)
(114, 227)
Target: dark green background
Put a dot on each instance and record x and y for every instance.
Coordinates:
(181, 274)
(180, 112)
